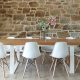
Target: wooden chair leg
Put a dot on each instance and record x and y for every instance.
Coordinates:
(52, 64)
(25, 67)
(3, 68)
(37, 69)
(6, 62)
(77, 64)
(54, 67)
(66, 67)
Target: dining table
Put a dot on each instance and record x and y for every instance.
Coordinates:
(21, 41)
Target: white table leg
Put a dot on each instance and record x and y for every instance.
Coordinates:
(72, 59)
(13, 62)
(11, 59)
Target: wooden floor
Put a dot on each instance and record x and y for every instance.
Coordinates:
(45, 74)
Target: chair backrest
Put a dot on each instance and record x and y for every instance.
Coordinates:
(2, 51)
(60, 50)
(31, 50)
(19, 48)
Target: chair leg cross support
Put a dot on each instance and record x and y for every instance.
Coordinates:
(77, 64)
(3, 61)
(55, 63)
(26, 66)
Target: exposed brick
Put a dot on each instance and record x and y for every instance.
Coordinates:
(12, 4)
(33, 8)
(6, 6)
(0, 6)
(21, 35)
(39, 13)
(26, 10)
(8, 15)
(18, 17)
(63, 34)
(30, 14)
(1, 3)
(33, 4)
(2, 11)
(10, 11)
(75, 5)
(36, 33)
(12, 34)
(58, 26)
(75, 17)
(47, 14)
(75, 27)
(3, 34)
(3, 18)
(7, 0)
(30, 28)
(19, 12)
(20, 8)
(23, 4)
(77, 1)
(29, 18)
(55, 12)
(67, 27)
(1, 24)
(18, 27)
(64, 20)
(71, 27)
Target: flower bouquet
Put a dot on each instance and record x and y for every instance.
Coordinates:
(43, 26)
(52, 21)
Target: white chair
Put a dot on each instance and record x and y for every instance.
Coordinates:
(47, 49)
(60, 51)
(31, 52)
(18, 52)
(3, 57)
(18, 49)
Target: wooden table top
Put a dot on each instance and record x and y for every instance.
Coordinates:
(40, 41)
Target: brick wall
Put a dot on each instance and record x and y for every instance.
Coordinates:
(19, 17)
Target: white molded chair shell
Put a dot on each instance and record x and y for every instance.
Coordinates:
(19, 48)
(60, 50)
(31, 50)
(7, 48)
(2, 51)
